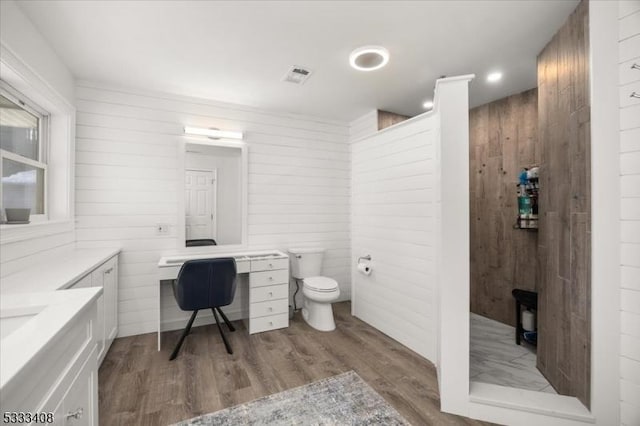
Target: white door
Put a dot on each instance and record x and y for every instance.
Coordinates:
(200, 202)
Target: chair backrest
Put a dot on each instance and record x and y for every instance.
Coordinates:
(206, 283)
(201, 242)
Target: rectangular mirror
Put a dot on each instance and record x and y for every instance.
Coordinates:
(213, 181)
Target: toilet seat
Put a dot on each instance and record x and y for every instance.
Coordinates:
(320, 284)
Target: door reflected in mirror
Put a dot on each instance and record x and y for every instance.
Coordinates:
(213, 195)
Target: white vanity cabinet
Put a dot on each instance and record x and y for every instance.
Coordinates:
(59, 375)
(106, 277)
(268, 294)
(50, 362)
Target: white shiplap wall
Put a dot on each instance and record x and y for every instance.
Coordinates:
(366, 125)
(299, 186)
(393, 221)
(629, 53)
(20, 255)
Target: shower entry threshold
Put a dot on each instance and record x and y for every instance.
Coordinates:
(544, 404)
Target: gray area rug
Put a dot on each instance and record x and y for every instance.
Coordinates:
(340, 400)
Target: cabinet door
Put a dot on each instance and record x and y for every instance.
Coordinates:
(58, 413)
(97, 280)
(110, 301)
(80, 403)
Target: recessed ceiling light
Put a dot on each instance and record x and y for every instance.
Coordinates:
(427, 105)
(494, 76)
(369, 58)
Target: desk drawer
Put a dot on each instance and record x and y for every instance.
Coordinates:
(625, 94)
(260, 279)
(269, 264)
(271, 292)
(272, 322)
(271, 307)
(628, 74)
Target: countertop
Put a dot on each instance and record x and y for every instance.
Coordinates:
(57, 273)
(176, 260)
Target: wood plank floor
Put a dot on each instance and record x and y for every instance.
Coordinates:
(140, 386)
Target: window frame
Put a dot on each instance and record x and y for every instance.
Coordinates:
(59, 227)
(43, 148)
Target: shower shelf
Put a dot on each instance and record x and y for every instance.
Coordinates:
(532, 226)
(528, 221)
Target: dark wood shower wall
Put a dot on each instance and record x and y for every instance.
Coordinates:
(503, 139)
(564, 240)
(388, 119)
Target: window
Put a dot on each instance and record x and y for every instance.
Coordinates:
(23, 144)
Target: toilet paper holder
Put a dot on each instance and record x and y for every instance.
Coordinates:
(367, 257)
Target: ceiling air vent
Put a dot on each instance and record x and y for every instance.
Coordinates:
(297, 75)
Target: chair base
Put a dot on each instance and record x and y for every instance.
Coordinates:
(187, 330)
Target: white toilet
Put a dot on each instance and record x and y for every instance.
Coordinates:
(319, 292)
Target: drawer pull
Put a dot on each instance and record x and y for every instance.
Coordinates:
(270, 309)
(271, 323)
(271, 265)
(270, 294)
(74, 415)
(108, 271)
(635, 66)
(270, 278)
(635, 95)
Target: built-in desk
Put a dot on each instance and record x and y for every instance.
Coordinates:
(268, 285)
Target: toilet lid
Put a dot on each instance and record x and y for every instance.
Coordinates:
(323, 284)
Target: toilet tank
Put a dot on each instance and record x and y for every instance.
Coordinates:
(306, 262)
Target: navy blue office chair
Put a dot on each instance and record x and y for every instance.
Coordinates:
(205, 284)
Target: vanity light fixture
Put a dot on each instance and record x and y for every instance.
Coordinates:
(494, 77)
(369, 58)
(212, 133)
(427, 105)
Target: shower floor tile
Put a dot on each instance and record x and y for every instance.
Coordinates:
(496, 359)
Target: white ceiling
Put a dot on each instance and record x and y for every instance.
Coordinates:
(239, 51)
